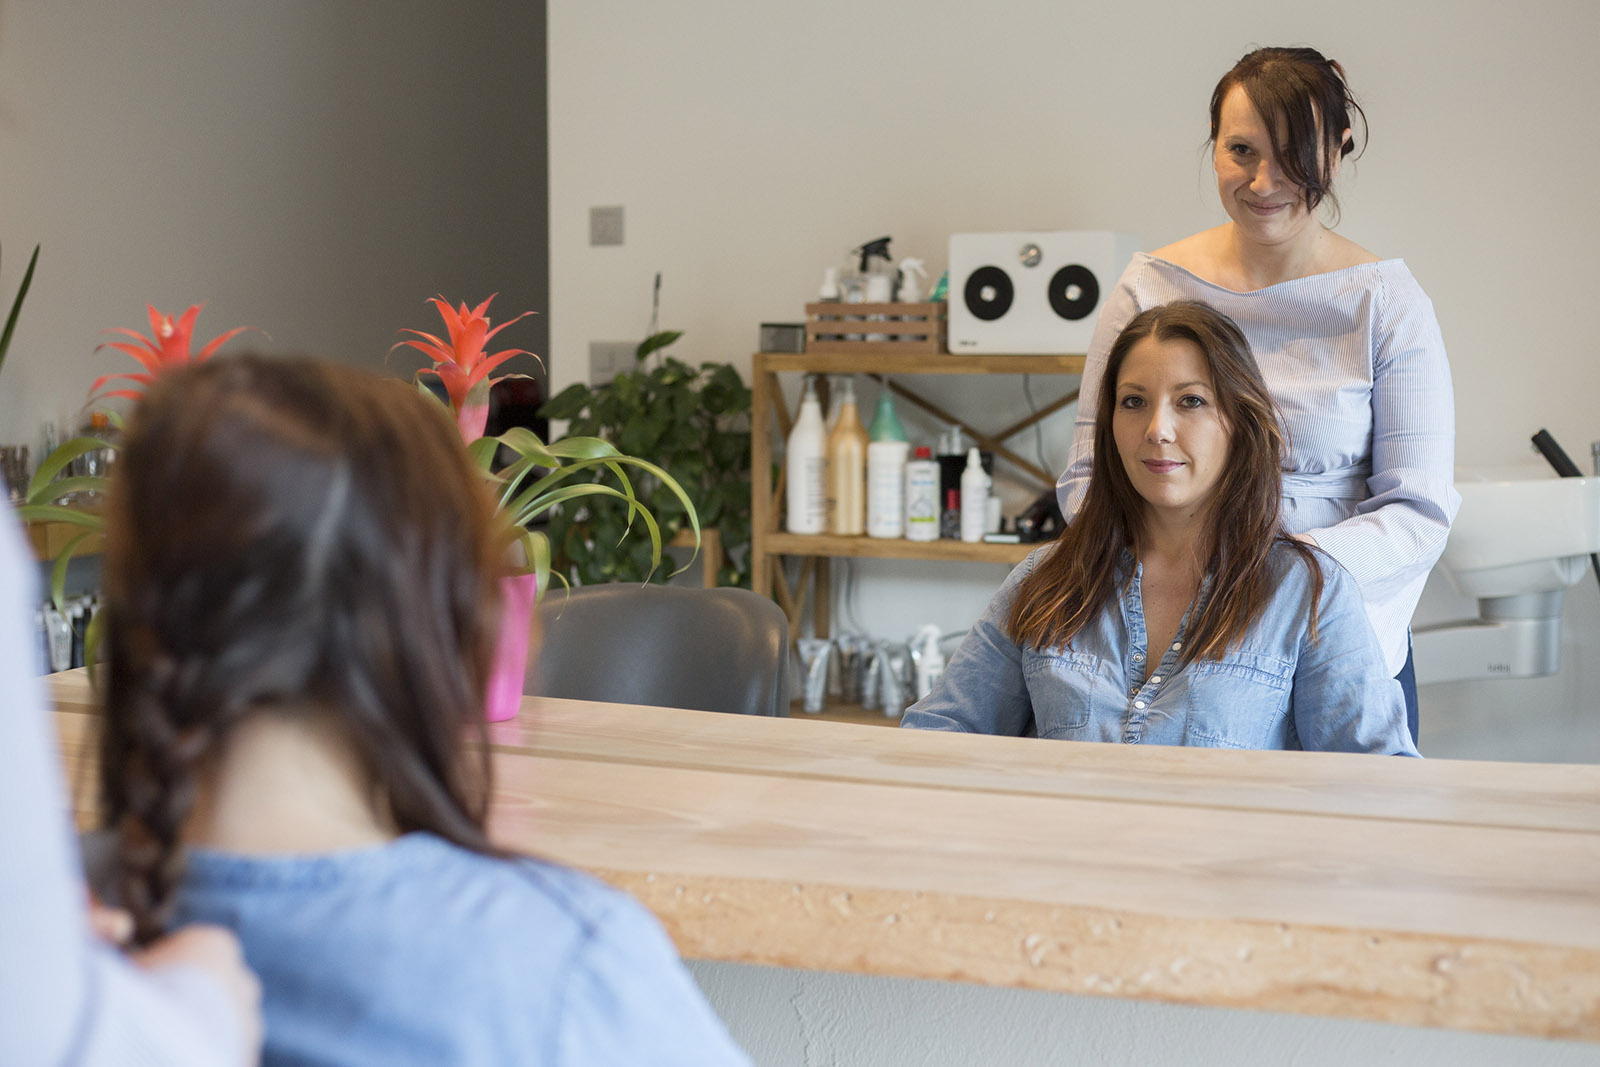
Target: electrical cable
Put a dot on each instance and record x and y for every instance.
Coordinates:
(1557, 457)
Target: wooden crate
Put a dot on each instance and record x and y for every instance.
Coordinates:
(911, 328)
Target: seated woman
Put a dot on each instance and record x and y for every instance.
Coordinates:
(1174, 609)
(301, 595)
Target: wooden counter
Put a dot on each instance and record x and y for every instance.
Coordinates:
(1432, 893)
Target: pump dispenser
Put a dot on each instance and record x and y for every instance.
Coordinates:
(805, 467)
(847, 463)
(886, 470)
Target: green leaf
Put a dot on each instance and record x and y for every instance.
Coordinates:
(16, 306)
(656, 341)
(58, 513)
(58, 573)
(57, 461)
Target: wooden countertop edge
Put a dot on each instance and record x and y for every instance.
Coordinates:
(1395, 977)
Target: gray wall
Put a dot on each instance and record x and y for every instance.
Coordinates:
(314, 168)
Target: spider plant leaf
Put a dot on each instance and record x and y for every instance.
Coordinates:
(58, 513)
(56, 461)
(16, 305)
(58, 573)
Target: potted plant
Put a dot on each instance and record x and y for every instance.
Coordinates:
(540, 478)
(695, 423)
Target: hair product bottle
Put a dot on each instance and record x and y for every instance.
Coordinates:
(974, 498)
(886, 471)
(922, 496)
(805, 468)
(847, 468)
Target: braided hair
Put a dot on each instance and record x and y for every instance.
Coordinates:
(290, 534)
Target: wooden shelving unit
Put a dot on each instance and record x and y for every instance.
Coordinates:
(769, 415)
(49, 538)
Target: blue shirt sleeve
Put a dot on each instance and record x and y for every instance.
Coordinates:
(1344, 699)
(982, 690)
(630, 1000)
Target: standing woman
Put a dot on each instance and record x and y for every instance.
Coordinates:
(1348, 343)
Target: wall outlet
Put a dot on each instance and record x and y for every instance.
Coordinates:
(605, 226)
(607, 359)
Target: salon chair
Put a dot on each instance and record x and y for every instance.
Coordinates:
(721, 649)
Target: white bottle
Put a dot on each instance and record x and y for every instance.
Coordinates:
(847, 468)
(922, 496)
(886, 471)
(930, 661)
(974, 498)
(880, 290)
(805, 468)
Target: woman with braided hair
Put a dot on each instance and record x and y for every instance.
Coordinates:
(301, 593)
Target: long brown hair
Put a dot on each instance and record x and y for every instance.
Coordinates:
(1304, 100)
(1077, 579)
(290, 533)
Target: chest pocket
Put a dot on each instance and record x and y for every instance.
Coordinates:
(1061, 684)
(1241, 702)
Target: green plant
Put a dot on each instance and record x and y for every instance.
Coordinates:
(169, 345)
(16, 306)
(692, 422)
(542, 477)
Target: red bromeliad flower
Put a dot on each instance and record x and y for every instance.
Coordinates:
(462, 365)
(165, 348)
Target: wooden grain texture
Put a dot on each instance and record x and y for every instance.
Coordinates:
(1426, 892)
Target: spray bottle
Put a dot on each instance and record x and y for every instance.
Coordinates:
(930, 661)
(910, 289)
(974, 498)
(886, 470)
(876, 285)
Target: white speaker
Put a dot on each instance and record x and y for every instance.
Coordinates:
(1032, 293)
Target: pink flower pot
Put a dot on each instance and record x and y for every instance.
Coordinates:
(504, 696)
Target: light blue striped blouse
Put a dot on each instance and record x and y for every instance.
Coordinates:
(1356, 363)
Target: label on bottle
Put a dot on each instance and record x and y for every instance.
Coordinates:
(922, 501)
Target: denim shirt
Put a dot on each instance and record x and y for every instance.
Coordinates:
(420, 952)
(1278, 688)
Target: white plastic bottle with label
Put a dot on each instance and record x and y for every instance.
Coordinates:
(974, 498)
(805, 468)
(922, 496)
(886, 471)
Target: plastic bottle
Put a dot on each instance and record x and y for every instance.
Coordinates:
(910, 292)
(930, 661)
(922, 496)
(974, 498)
(886, 471)
(829, 293)
(847, 469)
(805, 468)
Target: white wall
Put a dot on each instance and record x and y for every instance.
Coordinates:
(314, 169)
(752, 145)
(787, 1018)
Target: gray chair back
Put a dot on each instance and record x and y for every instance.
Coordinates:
(721, 649)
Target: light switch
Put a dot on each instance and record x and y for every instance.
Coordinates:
(605, 225)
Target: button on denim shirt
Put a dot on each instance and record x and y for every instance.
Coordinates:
(1277, 689)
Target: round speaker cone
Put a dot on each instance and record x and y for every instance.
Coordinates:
(1074, 292)
(988, 293)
